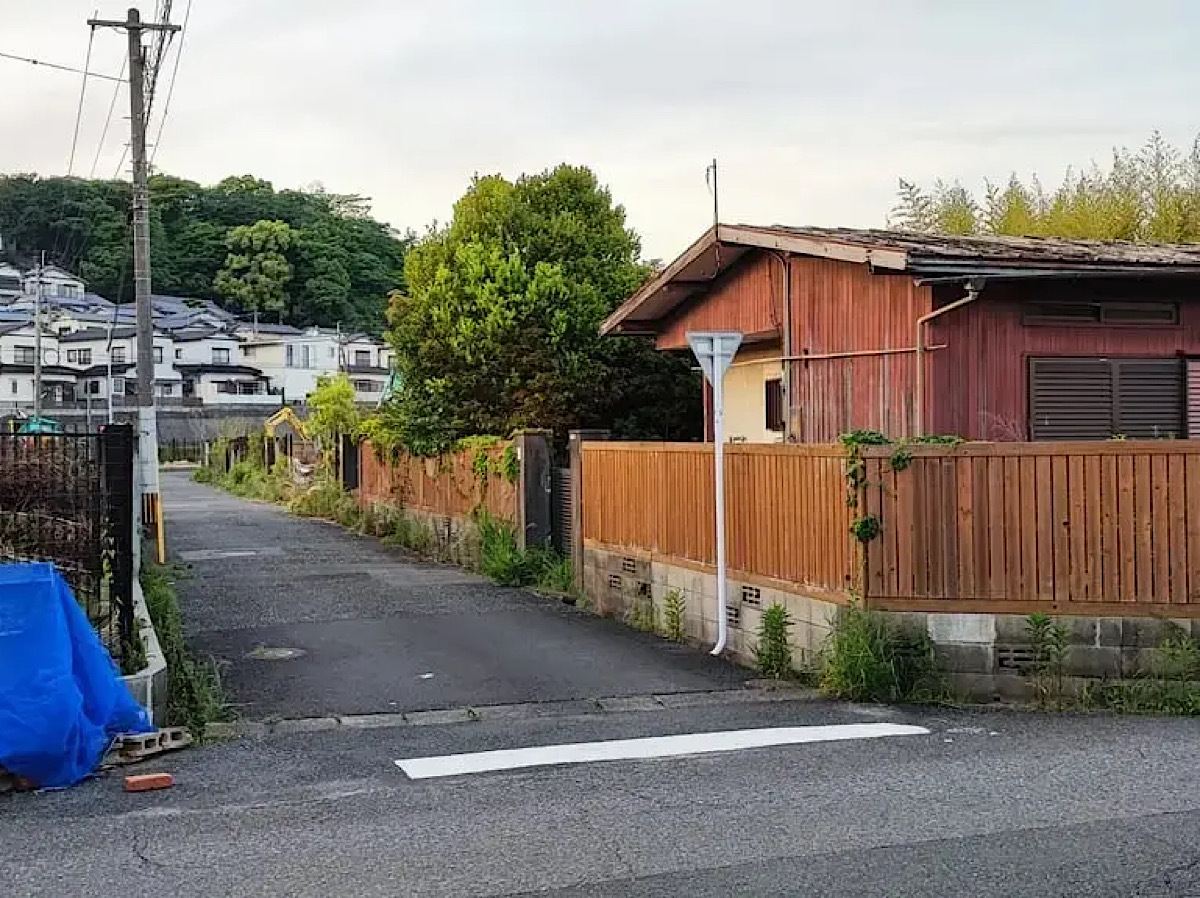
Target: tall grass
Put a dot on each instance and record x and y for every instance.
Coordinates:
(869, 658)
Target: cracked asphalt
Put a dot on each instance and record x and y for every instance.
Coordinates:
(988, 803)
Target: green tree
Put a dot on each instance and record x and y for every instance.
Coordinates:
(332, 414)
(1150, 195)
(499, 327)
(256, 271)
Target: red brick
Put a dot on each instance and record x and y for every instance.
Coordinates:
(145, 782)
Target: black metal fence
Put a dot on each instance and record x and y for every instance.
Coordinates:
(68, 498)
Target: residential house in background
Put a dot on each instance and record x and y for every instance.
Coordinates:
(88, 351)
(988, 338)
(17, 353)
(210, 362)
(10, 283)
(295, 359)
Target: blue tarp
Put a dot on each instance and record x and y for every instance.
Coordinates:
(62, 700)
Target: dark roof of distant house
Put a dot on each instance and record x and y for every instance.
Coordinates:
(366, 369)
(102, 370)
(47, 370)
(928, 257)
(98, 333)
(218, 369)
(7, 327)
(192, 335)
(262, 328)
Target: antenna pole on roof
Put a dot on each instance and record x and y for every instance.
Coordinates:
(710, 177)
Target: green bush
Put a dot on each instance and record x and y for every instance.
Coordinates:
(194, 694)
(1171, 685)
(868, 658)
(674, 608)
(774, 651)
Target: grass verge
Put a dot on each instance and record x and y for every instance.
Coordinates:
(194, 694)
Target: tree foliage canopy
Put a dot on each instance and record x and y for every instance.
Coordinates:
(1151, 195)
(499, 326)
(342, 263)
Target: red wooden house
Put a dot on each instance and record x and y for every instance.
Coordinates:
(989, 338)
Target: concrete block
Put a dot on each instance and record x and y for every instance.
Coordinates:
(1144, 632)
(965, 658)
(1011, 629)
(437, 718)
(1095, 661)
(962, 629)
(372, 721)
(304, 725)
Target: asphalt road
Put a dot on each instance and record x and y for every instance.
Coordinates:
(983, 804)
(380, 632)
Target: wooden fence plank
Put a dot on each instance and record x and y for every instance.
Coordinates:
(1127, 529)
(1028, 528)
(1061, 530)
(903, 522)
(1160, 540)
(952, 587)
(1143, 528)
(1045, 523)
(1013, 586)
(1110, 550)
(965, 520)
(1077, 528)
(1093, 527)
(1191, 503)
(996, 535)
(1177, 528)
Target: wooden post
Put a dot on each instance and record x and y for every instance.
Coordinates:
(576, 439)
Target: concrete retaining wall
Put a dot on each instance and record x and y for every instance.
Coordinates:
(983, 655)
(149, 685)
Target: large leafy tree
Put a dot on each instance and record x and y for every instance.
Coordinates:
(1150, 195)
(344, 264)
(256, 271)
(499, 326)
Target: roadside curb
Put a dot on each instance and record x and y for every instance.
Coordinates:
(259, 729)
(149, 685)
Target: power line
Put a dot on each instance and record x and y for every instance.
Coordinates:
(187, 14)
(162, 41)
(107, 121)
(87, 64)
(63, 68)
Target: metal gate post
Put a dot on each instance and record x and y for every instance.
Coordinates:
(576, 439)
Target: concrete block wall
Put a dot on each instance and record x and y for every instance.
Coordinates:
(617, 582)
(455, 538)
(983, 655)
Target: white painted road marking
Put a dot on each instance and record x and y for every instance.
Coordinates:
(219, 554)
(651, 747)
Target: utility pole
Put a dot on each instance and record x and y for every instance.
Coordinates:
(147, 422)
(37, 343)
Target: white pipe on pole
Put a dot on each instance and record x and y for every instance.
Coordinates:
(718, 388)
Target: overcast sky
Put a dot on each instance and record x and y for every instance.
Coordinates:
(814, 109)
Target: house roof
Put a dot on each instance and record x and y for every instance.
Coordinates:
(925, 257)
(262, 328)
(90, 334)
(56, 371)
(102, 370)
(218, 369)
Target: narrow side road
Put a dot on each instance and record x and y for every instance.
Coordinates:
(310, 620)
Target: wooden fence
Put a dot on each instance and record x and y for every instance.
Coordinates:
(1077, 528)
(1105, 529)
(452, 485)
(786, 511)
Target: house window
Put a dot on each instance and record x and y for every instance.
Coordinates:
(178, 354)
(291, 356)
(166, 389)
(309, 356)
(220, 355)
(1116, 314)
(12, 386)
(118, 355)
(93, 387)
(158, 355)
(362, 358)
(1097, 399)
(118, 386)
(774, 403)
(23, 355)
(368, 386)
(78, 356)
(332, 352)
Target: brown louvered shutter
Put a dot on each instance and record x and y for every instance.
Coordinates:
(1149, 398)
(1071, 399)
(1193, 398)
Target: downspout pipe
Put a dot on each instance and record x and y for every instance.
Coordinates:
(974, 287)
(785, 264)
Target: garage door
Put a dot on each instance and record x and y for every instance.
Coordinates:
(1095, 399)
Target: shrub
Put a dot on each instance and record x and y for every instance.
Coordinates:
(1049, 639)
(674, 608)
(868, 658)
(774, 652)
